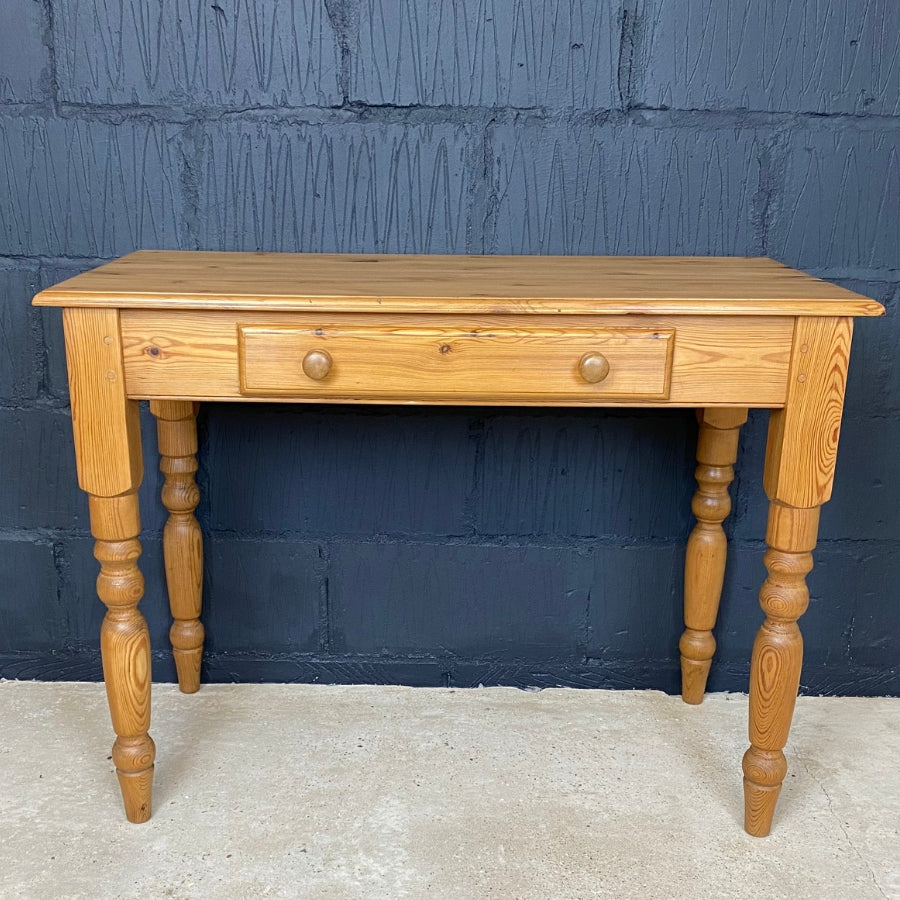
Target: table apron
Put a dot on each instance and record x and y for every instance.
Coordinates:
(476, 359)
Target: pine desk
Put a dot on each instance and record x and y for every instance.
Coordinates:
(720, 335)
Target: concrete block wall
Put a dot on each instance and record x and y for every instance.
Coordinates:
(464, 545)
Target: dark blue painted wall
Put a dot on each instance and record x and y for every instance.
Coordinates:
(459, 546)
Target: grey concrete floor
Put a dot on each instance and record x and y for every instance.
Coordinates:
(386, 792)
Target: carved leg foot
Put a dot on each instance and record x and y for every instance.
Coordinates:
(182, 540)
(704, 568)
(125, 647)
(777, 658)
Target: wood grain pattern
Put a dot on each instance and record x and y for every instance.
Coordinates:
(777, 658)
(704, 567)
(125, 647)
(176, 426)
(567, 285)
(451, 362)
(742, 362)
(104, 421)
(803, 436)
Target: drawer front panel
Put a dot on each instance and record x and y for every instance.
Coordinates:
(495, 363)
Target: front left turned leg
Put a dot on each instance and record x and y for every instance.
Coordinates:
(176, 426)
(125, 647)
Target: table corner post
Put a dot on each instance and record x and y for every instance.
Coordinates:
(799, 472)
(106, 429)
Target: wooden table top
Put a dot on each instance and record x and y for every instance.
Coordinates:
(606, 285)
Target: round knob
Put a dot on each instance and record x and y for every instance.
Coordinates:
(593, 367)
(317, 364)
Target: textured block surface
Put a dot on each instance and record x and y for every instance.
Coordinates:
(635, 603)
(341, 470)
(256, 590)
(842, 191)
(20, 348)
(39, 487)
(520, 53)
(780, 55)
(24, 53)
(31, 615)
(624, 189)
(457, 600)
(79, 188)
(452, 546)
(333, 188)
(582, 473)
(240, 53)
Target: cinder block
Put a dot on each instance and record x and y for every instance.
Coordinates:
(803, 56)
(31, 617)
(239, 53)
(867, 577)
(587, 473)
(838, 205)
(20, 363)
(866, 482)
(40, 485)
(80, 188)
(636, 609)
(522, 53)
(506, 602)
(338, 471)
(24, 54)
(624, 189)
(39, 488)
(334, 188)
(262, 596)
(863, 504)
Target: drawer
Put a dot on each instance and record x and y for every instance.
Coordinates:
(440, 362)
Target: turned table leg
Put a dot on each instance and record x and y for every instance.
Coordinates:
(125, 647)
(106, 429)
(182, 540)
(704, 566)
(800, 459)
(777, 658)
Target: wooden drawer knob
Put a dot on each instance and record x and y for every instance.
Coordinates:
(317, 364)
(593, 367)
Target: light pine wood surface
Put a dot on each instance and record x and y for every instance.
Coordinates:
(603, 285)
(704, 566)
(176, 427)
(745, 364)
(721, 335)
